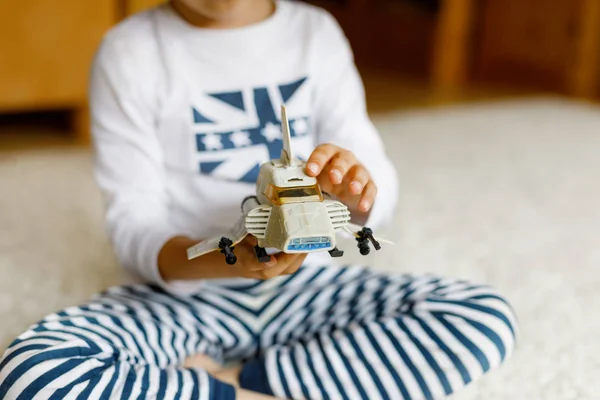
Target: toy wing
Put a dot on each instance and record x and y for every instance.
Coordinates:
(216, 243)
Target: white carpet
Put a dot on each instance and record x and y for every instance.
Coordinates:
(507, 194)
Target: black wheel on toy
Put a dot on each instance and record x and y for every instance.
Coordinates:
(226, 246)
(364, 249)
(231, 259)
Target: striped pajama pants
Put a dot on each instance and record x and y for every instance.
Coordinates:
(323, 333)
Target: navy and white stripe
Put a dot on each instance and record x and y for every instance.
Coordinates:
(324, 333)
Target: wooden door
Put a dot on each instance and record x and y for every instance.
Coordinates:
(528, 41)
(46, 50)
(393, 35)
(134, 6)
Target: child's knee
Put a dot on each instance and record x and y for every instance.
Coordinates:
(27, 360)
(20, 362)
(491, 316)
(478, 316)
(499, 308)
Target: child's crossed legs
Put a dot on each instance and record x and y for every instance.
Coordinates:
(321, 333)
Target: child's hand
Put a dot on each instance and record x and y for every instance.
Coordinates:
(248, 266)
(340, 174)
(174, 265)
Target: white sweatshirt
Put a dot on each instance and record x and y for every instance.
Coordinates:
(182, 117)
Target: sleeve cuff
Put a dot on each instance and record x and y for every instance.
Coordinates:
(384, 205)
(377, 215)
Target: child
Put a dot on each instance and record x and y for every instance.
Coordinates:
(184, 101)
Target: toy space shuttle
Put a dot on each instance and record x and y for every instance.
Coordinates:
(288, 213)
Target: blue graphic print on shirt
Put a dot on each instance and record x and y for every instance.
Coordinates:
(254, 139)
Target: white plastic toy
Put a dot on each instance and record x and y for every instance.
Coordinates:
(289, 213)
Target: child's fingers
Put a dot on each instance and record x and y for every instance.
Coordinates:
(319, 158)
(359, 178)
(247, 256)
(272, 272)
(256, 265)
(368, 197)
(295, 265)
(284, 262)
(340, 164)
(285, 259)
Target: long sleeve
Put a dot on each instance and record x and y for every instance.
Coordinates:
(128, 157)
(342, 118)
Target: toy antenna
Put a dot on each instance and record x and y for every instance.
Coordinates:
(286, 153)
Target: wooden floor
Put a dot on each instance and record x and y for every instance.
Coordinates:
(385, 92)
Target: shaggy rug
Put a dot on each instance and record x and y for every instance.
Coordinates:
(503, 193)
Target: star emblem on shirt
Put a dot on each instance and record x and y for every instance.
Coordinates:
(212, 142)
(240, 139)
(271, 132)
(300, 126)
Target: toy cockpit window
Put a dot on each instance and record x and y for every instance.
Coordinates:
(301, 193)
(294, 194)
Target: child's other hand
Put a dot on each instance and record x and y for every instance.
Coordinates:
(340, 174)
(248, 266)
